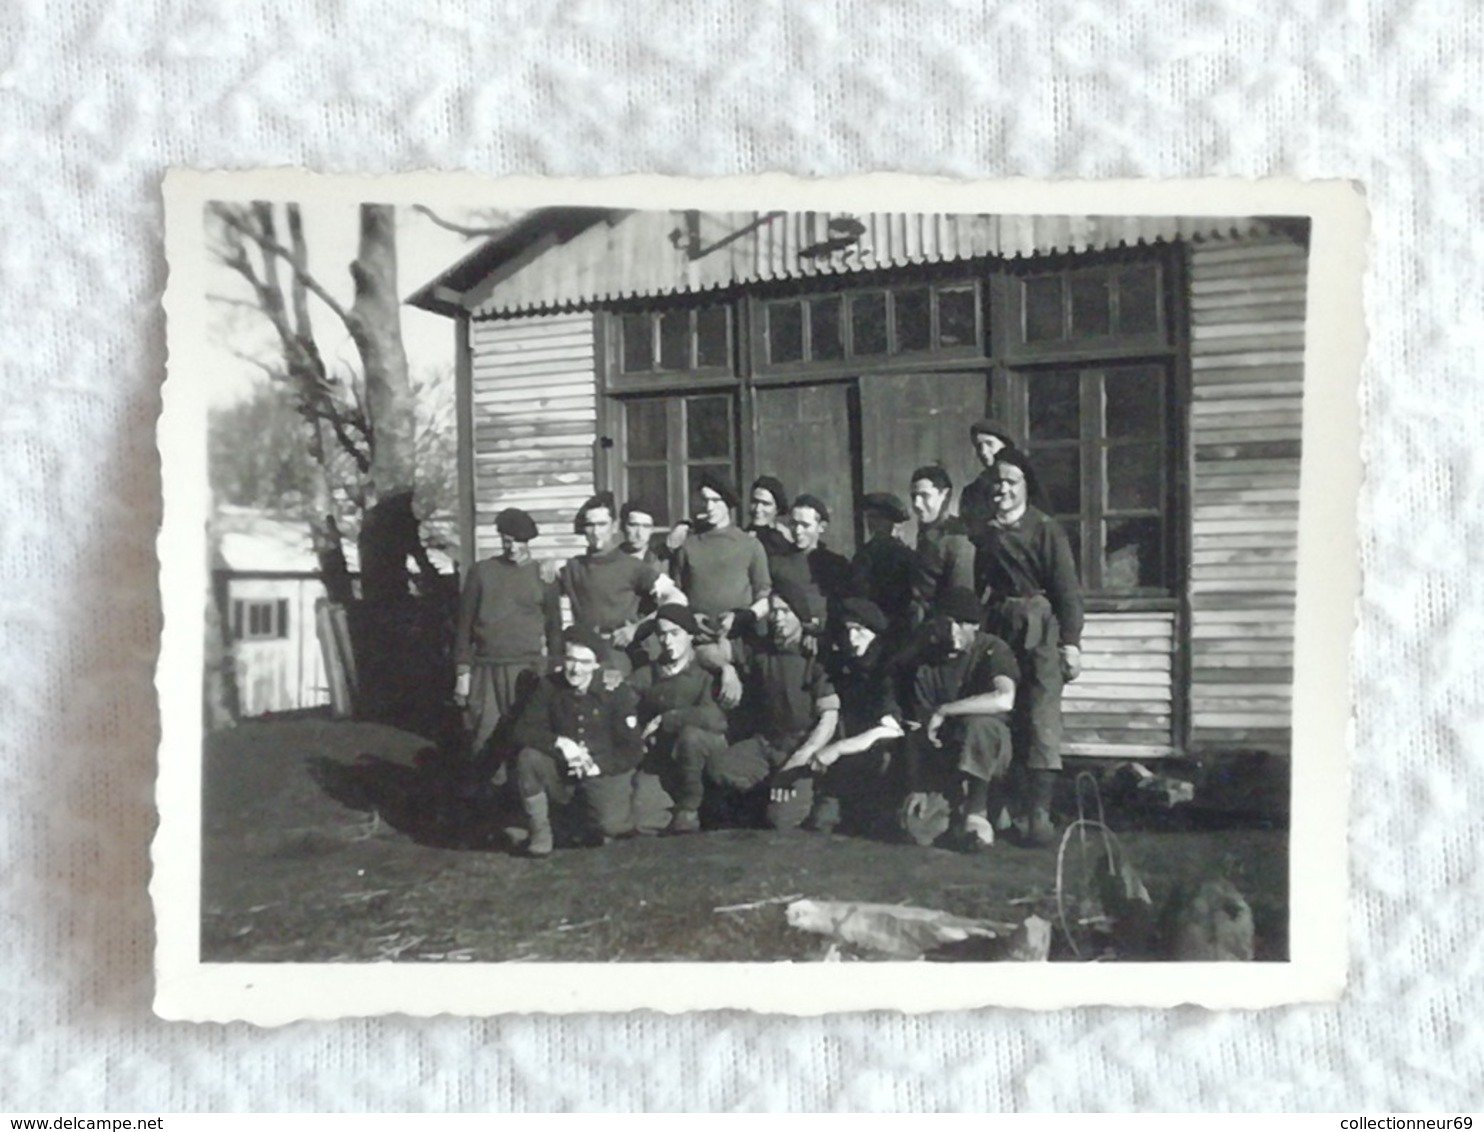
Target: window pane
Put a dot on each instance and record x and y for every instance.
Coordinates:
(826, 343)
(645, 430)
(649, 487)
(1131, 554)
(1054, 404)
(914, 330)
(1134, 481)
(638, 343)
(868, 323)
(1059, 471)
(1138, 300)
(785, 333)
(708, 428)
(1090, 306)
(282, 628)
(956, 317)
(675, 340)
(711, 336)
(1134, 402)
(1043, 309)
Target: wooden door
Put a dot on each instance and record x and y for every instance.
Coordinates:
(908, 420)
(803, 435)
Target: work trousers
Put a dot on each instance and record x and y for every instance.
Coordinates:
(743, 767)
(494, 691)
(1029, 627)
(606, 801)
(973, 746)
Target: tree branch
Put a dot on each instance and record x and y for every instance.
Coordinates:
(467, 231)
(270, 245)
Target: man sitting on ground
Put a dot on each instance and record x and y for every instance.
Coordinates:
(789, 711)
(578, 742)
(962, 699)
(680, 723)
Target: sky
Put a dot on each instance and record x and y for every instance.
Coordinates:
(331, 228)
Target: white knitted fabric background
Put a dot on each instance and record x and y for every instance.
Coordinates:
(96, 99)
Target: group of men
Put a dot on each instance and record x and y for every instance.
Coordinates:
(733, 675)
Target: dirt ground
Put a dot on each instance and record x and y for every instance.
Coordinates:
(350, 842)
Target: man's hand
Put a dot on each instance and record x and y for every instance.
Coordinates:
(573, 753)
(651, 729)
(935, 724)
(1071, 662)
(824, 758)
(730, 693)
(677, 535)
(724, 623)
(785, 778)
(461, 684)
(916, 804)
(623, 636)
(612, 678)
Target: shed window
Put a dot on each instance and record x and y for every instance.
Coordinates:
(260, 619)
(915, 319)
(677, 342)
(669, 443)
(1090, 306)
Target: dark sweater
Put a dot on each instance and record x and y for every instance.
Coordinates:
(507, 615)
(1029, 558)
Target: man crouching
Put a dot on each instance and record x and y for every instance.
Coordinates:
(788, 711)
(963, 693)
(578, 742)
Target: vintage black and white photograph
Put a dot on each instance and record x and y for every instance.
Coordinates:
(779, 594)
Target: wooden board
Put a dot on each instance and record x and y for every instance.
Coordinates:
(803, 438)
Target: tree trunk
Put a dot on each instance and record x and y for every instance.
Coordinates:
(389, 533)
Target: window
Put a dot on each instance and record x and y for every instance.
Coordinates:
(260, 620)
(1098, 438)
(927, 319)
(1090, 306)
(679, 342)
(669, 443)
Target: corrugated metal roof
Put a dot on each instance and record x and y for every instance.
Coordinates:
(607, 257)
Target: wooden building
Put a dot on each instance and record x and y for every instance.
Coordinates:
(1152, 365)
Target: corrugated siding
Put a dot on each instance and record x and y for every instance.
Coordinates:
(666, 252)
(1247, 328)
(1120, 705)
(535, 425)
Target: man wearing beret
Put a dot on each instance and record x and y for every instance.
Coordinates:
(680, 723)
(854, 769)
(579, 741)
(812, 562)
(963, 694)
(767, 507)
(884, 563)
(721, 569)
(1028, 577)
(606, 586)
(976, 506)
(789, 710)
(944, 556)
(510, 623)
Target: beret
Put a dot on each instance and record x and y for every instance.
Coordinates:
(587, 638)
(680, 615)
(888, 504)
(516, 524)
(991, 427)
(773, 487)
(960, 604)
(720, 486)
(802, 597)
(817, 504)
(860, 611)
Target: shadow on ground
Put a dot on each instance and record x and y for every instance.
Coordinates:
(350, 842)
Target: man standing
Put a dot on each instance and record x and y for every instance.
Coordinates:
(963, 695)
(637, 523)
(721, 569)
(814, 563)
(510, 622)
(789, 711)
(680, 723)
(578, 741)
(884, 563)
(944, 557)
(767, 506)
(976, 503)
(1029, 578)
(606, 585)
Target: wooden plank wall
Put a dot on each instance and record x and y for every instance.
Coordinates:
(1120, 706)
(1247, 352)
(535, 426)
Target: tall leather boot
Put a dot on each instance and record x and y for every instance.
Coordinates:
(539, 814)
(1041, 831)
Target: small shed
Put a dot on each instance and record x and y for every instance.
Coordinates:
(1152, 364)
